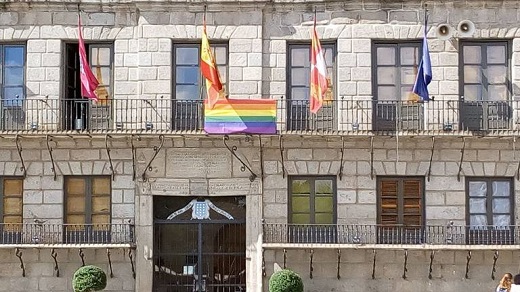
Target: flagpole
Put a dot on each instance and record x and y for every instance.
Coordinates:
(201, 91)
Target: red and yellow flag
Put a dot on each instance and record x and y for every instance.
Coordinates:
(319, 83)
(209, 70)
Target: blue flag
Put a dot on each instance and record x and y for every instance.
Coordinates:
(424, 74)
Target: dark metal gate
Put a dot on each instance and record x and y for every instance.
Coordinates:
(199, 255)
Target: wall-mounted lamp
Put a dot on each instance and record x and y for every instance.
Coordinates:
(149, 126)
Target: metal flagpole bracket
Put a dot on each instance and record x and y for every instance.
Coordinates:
(431, 158)
(54, 256)
(131, 257)
(109, 157)
(338, 275)
(372, 157)
(340, 174)
(156, 150)
(18, 254)
(281, 155)
(263, 264)
(461, 157)
(285, 258)
(49, 148)
(19, 148)
(244, 166)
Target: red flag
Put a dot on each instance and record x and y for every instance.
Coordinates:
(318, 73)
(89, 82)
(209, 70)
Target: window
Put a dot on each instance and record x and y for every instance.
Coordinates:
(400, 209)
(189, 90)
(395, 67)
(312, 209)
(81, 113)
(490, 210)
(485, 85)
(298, 89)
(12, 66)
(11, 209)
(87, 209)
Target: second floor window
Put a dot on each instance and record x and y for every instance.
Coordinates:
(394, 70)
(80, 113)
(88, 200)
(12, 70)
(189, 88)
(485, 85)
(11, 208)
(298, 89)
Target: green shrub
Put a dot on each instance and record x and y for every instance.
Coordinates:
(88, 279)
(285, 281)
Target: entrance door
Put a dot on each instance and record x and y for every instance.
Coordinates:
(196, 254)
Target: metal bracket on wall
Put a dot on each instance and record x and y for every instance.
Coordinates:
(374, 264)
(285, 258)
(338, 275)
(371, 157)
(494, 270)
(405, 265)
(131, 257)
(340, 174)
(156, 150)
(244, 166)
(261, 157)
(430, 270)
(109, 157)
(461, 157)
(49, 148)
(18, 254)
(263, 264)
(468, 259)
(19, 148)
(281, 155)
(311, 268)
(54, 256)
(431, 158)
(110, 263)
(133, 157)
(82, 256)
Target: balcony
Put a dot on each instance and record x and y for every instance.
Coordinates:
(282, 235)
(345, 116)
(66, 235)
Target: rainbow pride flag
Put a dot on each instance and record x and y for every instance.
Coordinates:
(247, 116)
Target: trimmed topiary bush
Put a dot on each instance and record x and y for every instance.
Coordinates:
(285, 281)
(88, 279)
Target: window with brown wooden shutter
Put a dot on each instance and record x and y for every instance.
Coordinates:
(12, 203)
(88, 201)
(400, 209)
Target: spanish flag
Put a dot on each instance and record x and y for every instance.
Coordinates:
(319, 82)
(209, 70)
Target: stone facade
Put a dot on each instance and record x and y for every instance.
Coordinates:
(257, 34)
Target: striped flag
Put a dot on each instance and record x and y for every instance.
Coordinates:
(209, 70)
(89, 82)
(318, 73)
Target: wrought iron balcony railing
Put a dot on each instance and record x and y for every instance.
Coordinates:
(66, 234)
(348, 116)
(390, 235)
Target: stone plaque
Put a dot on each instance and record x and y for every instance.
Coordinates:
(170, 187)
(233, 187)
(192, 163)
